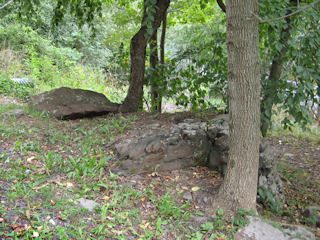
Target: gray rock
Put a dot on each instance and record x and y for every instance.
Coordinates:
(297, 232)
(187, 196)
(88, 204)
(258, 229)
(128, 184)
(15, 112)
(290, 155)
(201, 219)
(67, 103)
(312, 212)
(269, 178)
(308, 213)
(137, 178)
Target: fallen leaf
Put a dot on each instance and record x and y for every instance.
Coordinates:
(35, 234)
(52, 202)
(30, 159)
(144, 226)
(117, 232)
(69, 184)
(194, 189)
(184, 188)
(1, 220)
(154, 174)
(58, 183)
(28, 213)
(142, 199)
(106, 198)
(14, 226)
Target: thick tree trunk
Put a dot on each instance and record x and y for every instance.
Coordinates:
(275, 74)
(239, 188)
(138, 56)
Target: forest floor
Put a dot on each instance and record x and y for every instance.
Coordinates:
(47, 165)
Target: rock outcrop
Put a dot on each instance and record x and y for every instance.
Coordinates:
(259, 229)
(189, 144)
(66, 103)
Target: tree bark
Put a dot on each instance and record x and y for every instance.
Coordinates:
(154, 59)
(239, 188)
(275, 74)
(162, 55)
(138, 56)
(221, 5)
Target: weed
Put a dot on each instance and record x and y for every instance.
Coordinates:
(293, 174)
(270, 201)
(167, 207)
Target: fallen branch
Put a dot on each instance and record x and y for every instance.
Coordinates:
(6, 4)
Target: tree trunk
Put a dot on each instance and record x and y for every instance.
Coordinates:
(154, 59)
(138, 56)
(239, 188)
(162, 41)
(275, 74)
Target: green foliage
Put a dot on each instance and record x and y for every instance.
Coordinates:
(196, 74)
(10, 88)
(194, 12)
(23, 38)
(167, 207)
(270, 201)
(298, 87)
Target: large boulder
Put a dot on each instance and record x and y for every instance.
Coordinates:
(67, 103)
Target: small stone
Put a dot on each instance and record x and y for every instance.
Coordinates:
(175, 172)
(128, 184)
(187, 196)
(201, 219)
(88, 204)
(289, 155)
(52, 222)
(308, 212)
(205, 199)
(318, 221)
(15, 112)
(137, 177)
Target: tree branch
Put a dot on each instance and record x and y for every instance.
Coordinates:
(288, 15)
(221, 5)
(6, 4)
